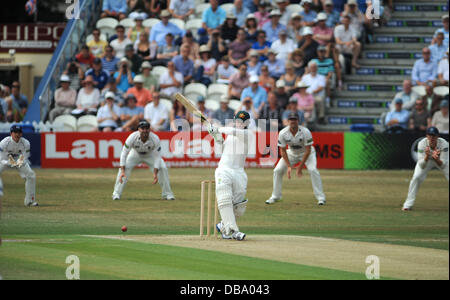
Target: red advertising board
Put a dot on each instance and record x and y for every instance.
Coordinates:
(102, 150)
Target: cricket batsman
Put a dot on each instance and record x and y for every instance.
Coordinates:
(432, 153)
(231, 179)
(14, 154)
(300, 141)
(143, 146)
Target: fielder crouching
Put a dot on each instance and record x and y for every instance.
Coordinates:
(14, 154)
(143, 146)
(231, 179)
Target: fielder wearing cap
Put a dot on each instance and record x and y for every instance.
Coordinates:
(230, 176)
(140, 147)
(301, 150)
(432, 153)
(14, 153)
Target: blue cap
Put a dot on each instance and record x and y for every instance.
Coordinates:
(201, 31)
(433, 131)
(444, 103)
(399, 100)
(200, 98)
(144, 124)
(15, 128)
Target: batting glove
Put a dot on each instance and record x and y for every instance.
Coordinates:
(11, 161)
(20, 161)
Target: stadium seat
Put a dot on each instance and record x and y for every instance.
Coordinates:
(157, 71)
(212, 105)
(420, 90)
(216, 90)
(150, 22)
(87, 124)
(294, 8)
(68, 122)
(91, 37)
(107, 26)
(234, 104)
(227, 7)
(441, 91)
(193, 25)
(167, 103)
(127, 23)
(180, 23)
(199, 9)
(193, 90)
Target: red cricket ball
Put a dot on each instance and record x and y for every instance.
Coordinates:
(124, 228)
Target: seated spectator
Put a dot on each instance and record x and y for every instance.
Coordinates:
(305, 101)
(241, 12)
(276, 66)
(206, 67)
(255, 92)
(65, 99)
(238, 82)
(282, 94)
(160, 30)
(111, 86)
(285, 13)
(75, 73)
(225, 70)
(133, 58)
(273, 27)
(157, 7)
(251, 28)
(137, 30)
(408, 96)
(238, 50)
(263, 15)
(292, 108)
(271, 113)
(424, 71)
(213, 16)
(124, 76)
(171, 82)
(143, 96)
(440, 118)
(325, 67)
(100, 76)
(180, 119)
(397, 121)
(356, 17)
(114, 9)
(298, 62)
(189, 40)
(197, 125)
(167, 52)
(119, 44)
(96, 45)
(224, 114)
(150, 81)
(443, 70)
(438, 49)
(294, 28)
(229, 29)
(130, 114)
(431, 100)
(181, 9)
(3, 105)
(265, 81)
(321, 33)
(262, 46)
(254, 65)
(85, 58)
(17, 104)
(183, 64)
(88, 99)
(138, 8)
(289, 78)
(157, 114)
(347, 40)
(108, 115)
(444, 29)
(217, 45)
(419, 118)
(317, 84)
(144, 49)
(110, 61)
(283, 46)
(308, 45)
(333, 16)
(308, 14)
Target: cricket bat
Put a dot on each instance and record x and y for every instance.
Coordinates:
(191, 108)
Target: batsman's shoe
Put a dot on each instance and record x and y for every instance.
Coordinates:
(115, 197)
(321, 202)
(238, 236)
(219, 228)
(32, 204)
(406, 208)
(272, 200)
(169, 198)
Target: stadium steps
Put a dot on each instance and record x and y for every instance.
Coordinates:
(414, 47)
(391, 56)
(342, 127)
(376, 78)
(428, 31)
(414, 15)
(404, 63)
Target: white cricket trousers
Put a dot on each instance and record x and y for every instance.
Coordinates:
(417, 179)
(135, 159)
(231, 188)
(30, 181)
(311, 165)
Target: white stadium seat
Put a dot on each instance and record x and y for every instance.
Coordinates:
(212, 105)
(167, 103)
(157, 71)
(441, 91)
(150, 22)
(234, 104)
(216, 90)
(193, 90)
(180, 23)
(107, 26)
(127, 23)
(87, 123)
(68, 122)
(419, 90)
(199, 9)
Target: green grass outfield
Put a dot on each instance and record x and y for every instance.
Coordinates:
(363, 206)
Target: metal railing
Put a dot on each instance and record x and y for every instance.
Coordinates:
(71, 40)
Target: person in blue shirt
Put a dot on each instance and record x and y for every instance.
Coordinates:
(273, 27)
(255, 92)
(276, 66)
(444, 30)
(308, 14)
(213, 16)
(438, 49)
(397, 120)
(110, 61)
(261, 45)
(333, 16)
(240, 11)
(100, 76)
(160, 30)
(124, 77)
(184, 64)
(18, 104)
(424, 71)
(114, 9)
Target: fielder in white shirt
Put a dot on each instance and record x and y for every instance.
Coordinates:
(14, 154)
(432, 153)
(300, 142)
(143, 146)
(230, 176)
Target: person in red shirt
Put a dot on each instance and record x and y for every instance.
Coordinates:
(142, 95)
(85, 58)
